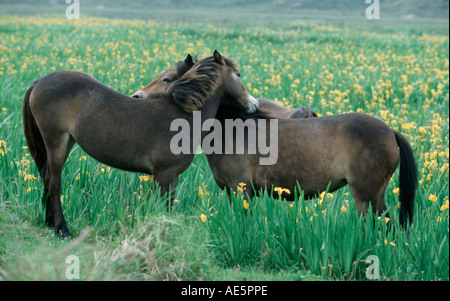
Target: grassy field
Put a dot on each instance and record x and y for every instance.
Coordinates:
(122, 230)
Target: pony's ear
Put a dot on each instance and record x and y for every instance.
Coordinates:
(184, 66)
(218, 58)
(189, 61)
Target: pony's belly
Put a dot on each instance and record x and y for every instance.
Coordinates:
(334, 185)
(312, 183)
(119, 157)
(126, 165)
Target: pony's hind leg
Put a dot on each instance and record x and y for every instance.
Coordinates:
(381, 206)
(49, 219)
(49, 216)
(56, 156)
(375, 200)
(368, 196)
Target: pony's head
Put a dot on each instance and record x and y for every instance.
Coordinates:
(191, 83)
(161, 85)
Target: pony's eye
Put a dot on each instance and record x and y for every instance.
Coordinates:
(167, 80)
(238, 74)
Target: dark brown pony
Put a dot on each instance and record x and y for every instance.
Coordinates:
(67, 107)
(326, 152)
(161, 85)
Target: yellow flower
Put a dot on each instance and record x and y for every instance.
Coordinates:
(396, 191)
(408, 126)
(322, 195)
(386, 242)
(29, 177)
(246, 204)
(241, 186)
(445, 206)
(203, 217)
(145, 178)
(343, 208)
(432, 198)
(200, 192)
(281, 190)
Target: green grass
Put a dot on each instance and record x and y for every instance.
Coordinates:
(123, 230)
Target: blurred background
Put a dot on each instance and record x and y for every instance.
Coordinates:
(429, 13)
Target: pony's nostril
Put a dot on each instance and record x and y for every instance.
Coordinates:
(139, 94)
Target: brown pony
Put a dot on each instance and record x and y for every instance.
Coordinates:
(161, 84)
(67, 107)
(323, 153)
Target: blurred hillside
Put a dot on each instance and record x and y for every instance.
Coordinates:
(399, 8)
(243, 11)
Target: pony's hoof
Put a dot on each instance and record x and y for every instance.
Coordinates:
(63, 232)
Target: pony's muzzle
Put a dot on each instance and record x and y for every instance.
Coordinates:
(139, 94)
(253, 104)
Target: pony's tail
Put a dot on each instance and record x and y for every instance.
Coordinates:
(35, 142)
(407, 180)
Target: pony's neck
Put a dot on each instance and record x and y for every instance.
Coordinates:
(210, 108)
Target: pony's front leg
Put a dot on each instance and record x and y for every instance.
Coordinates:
(167, 185)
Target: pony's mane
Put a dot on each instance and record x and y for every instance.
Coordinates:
(197, 84)
(229, 62)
